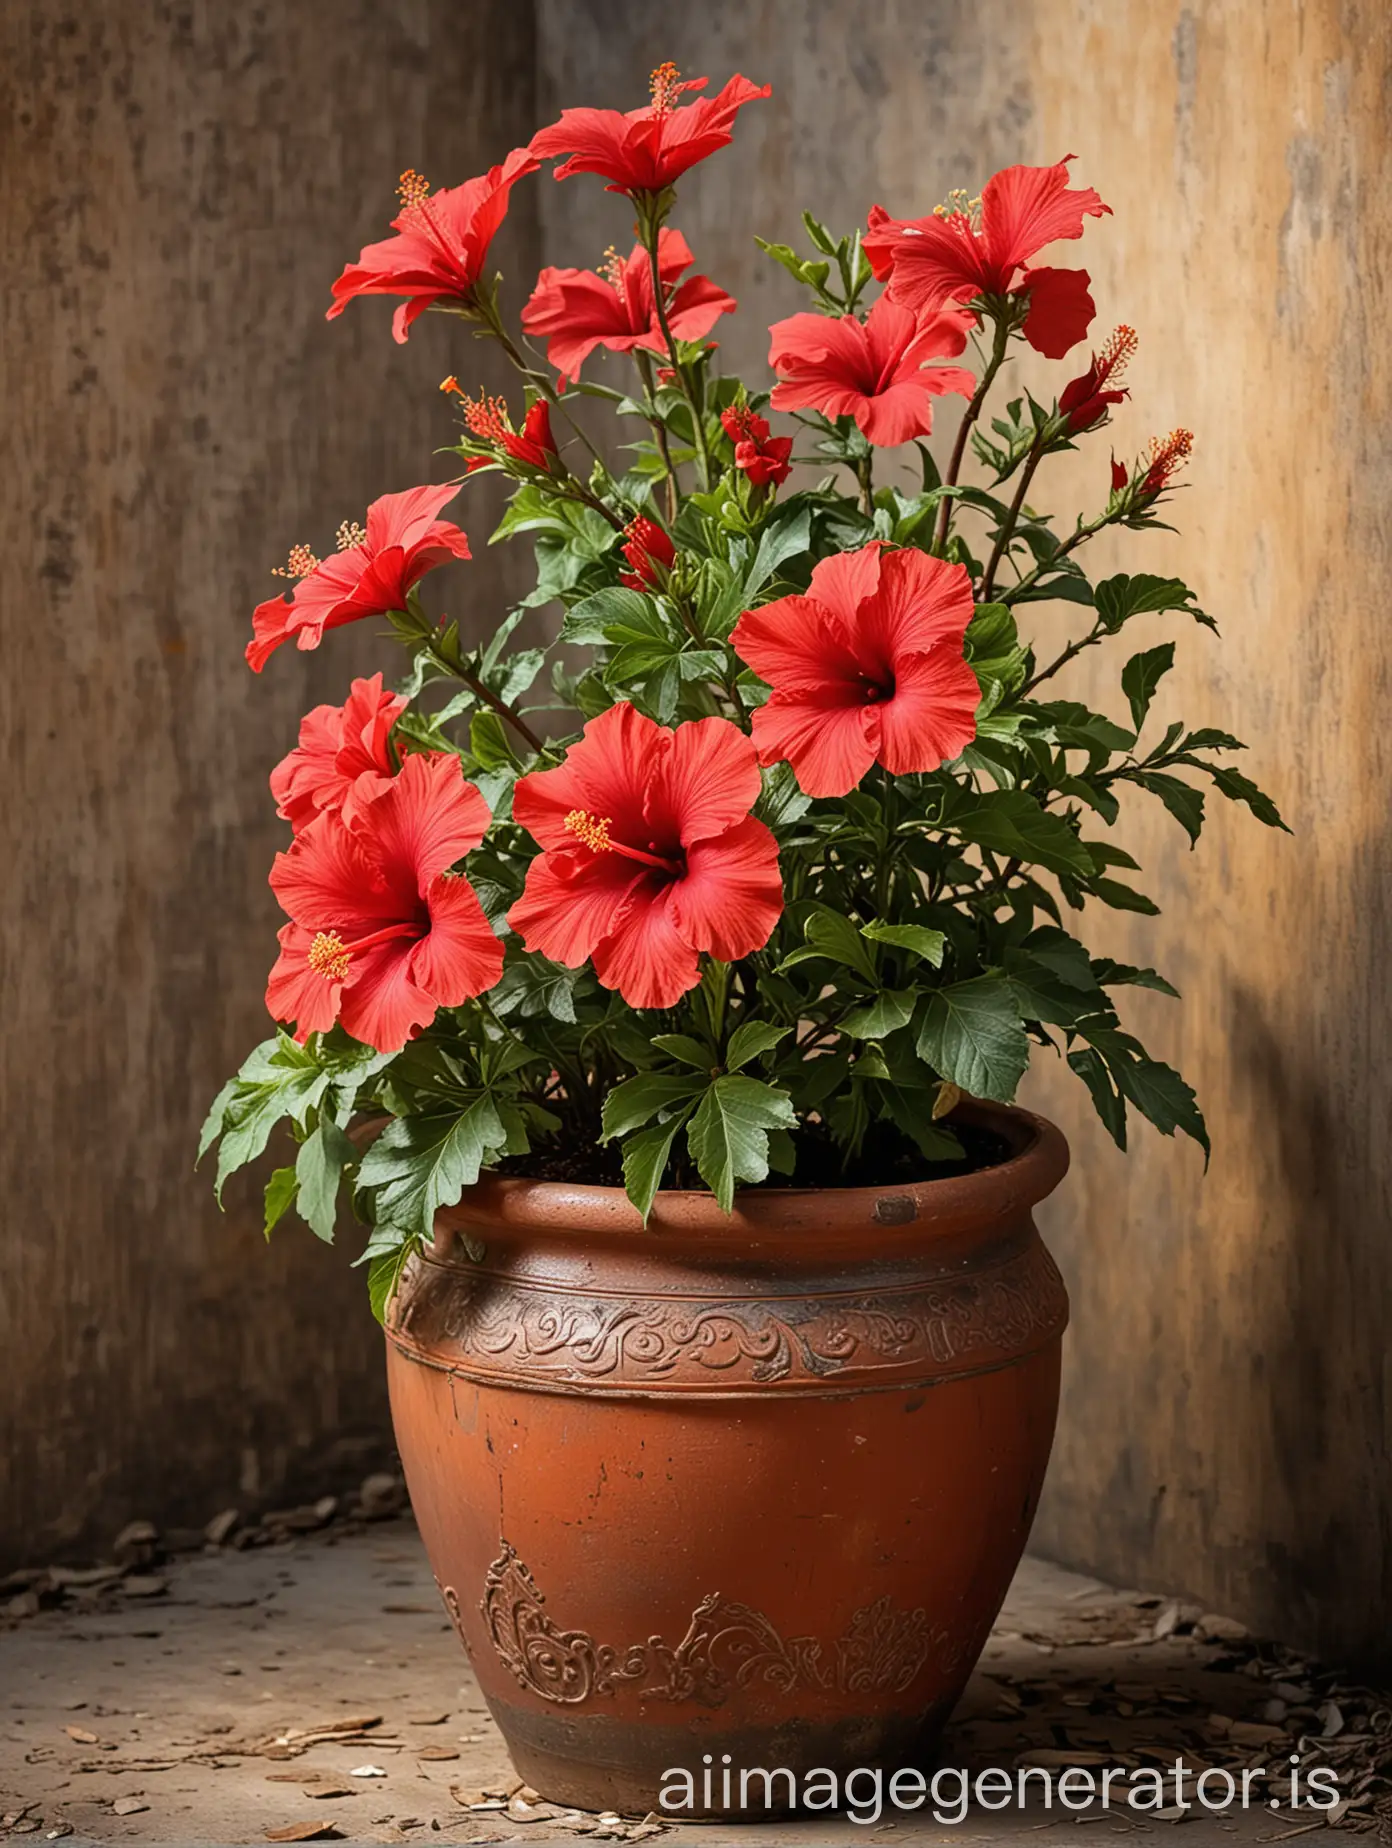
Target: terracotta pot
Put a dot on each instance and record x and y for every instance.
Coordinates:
(753, 1486)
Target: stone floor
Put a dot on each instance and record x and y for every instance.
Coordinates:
(313, 1690)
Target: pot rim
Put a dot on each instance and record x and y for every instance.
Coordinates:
(961, 1203)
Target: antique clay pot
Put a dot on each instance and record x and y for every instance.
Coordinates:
(754, 1485)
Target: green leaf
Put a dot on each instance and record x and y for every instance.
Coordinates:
(1120, 598)
(1183, 801)
(1123, 897)
(280, 1192)
(1239, 788)
(728, 1135)
(830, 935)
(588, 621)
(645, 1157)
(972, 1036)
(1010, 821)
(1108, 1102)
(637, 1100)
(890, 1009)
(1142, 674)
(280, 1079)
(420, 1164)
(384, 1275)
(1116, 975)
(1073, 723)
(781, 540)
(1042, 994)
(919, 938)
(689, 1051)
(322, 1159)
(1062, 954)
(751, 1039)
(533, 988)
(782, 801)
(212, 1123)
(1160, 1094)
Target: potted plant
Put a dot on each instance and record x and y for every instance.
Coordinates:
(685, 1001)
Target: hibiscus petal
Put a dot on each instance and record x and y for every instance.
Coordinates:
(646, 957)
(846, 580)
(707, 782)
(426, 821)
(327, 881)
(295, 992)
(404, 519)
(606, 775)
(923, 601)
(732, 896)
(460, 957)
(1025, 208)
(830, 747)
(793, 642)
(384, 1007)
(905, 410)
(571, 900)
(1060, 310)
(299, 779)
(932, 716)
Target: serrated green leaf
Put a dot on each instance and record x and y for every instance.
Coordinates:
(919, 938)
(645, 1156)
(1010, 821)
(384, 1275)
(1142, 674)
(1123, 897)
(751, 1039)
(830, 935)
(1108, 1102)
(1111, 974)
(420, 1164)
(728, 1135)
(1161, 1095)
(891, 1009)
(637, 1100)
(1120, 598)
(1183, 801)
(280, 1194)
(318, 1171)
(1239, 788)
(682, 1046)
(972, 1036)
(781, 800)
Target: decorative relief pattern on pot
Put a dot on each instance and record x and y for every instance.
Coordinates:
(511, 1327)
(727, 1645)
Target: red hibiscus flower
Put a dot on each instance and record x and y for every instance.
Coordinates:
(650, 554)
(369, 574)
(867, 667)
(1085, 400)
(381, 933)
(579, 310)
(648, 149)
(650, 855)
(972, 248)
(441, 244)
(762, 457)
(342, 760)
(488, 420)
(876, 370)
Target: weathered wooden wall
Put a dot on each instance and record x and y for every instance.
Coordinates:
(179, 185)
(1227, 1423)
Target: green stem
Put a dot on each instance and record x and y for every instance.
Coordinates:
(973, 411)
(659, 430)
(1008, 524)
(1069, 545)
(650, 234)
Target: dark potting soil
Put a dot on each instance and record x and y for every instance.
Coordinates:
(887, 1159)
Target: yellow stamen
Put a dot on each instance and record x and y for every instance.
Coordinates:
(349, 535)
(329, 956)
(613, 271)
(299, 565)
(591, 830)
(664, 84)
(961, 211)
(452, 384)
(412, 188)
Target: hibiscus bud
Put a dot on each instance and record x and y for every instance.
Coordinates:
(650, 554)
(1120, 476)
(1084, 400)
(763, 458)
(1163, 459)
(533, 445)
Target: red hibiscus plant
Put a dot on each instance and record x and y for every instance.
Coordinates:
(788, 857)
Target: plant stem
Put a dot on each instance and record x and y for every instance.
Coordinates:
(1007, 531)
(650, 236)
(865, 475)
(1094, 634)
(973, 411)
(659, 430)
(1069, 545)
